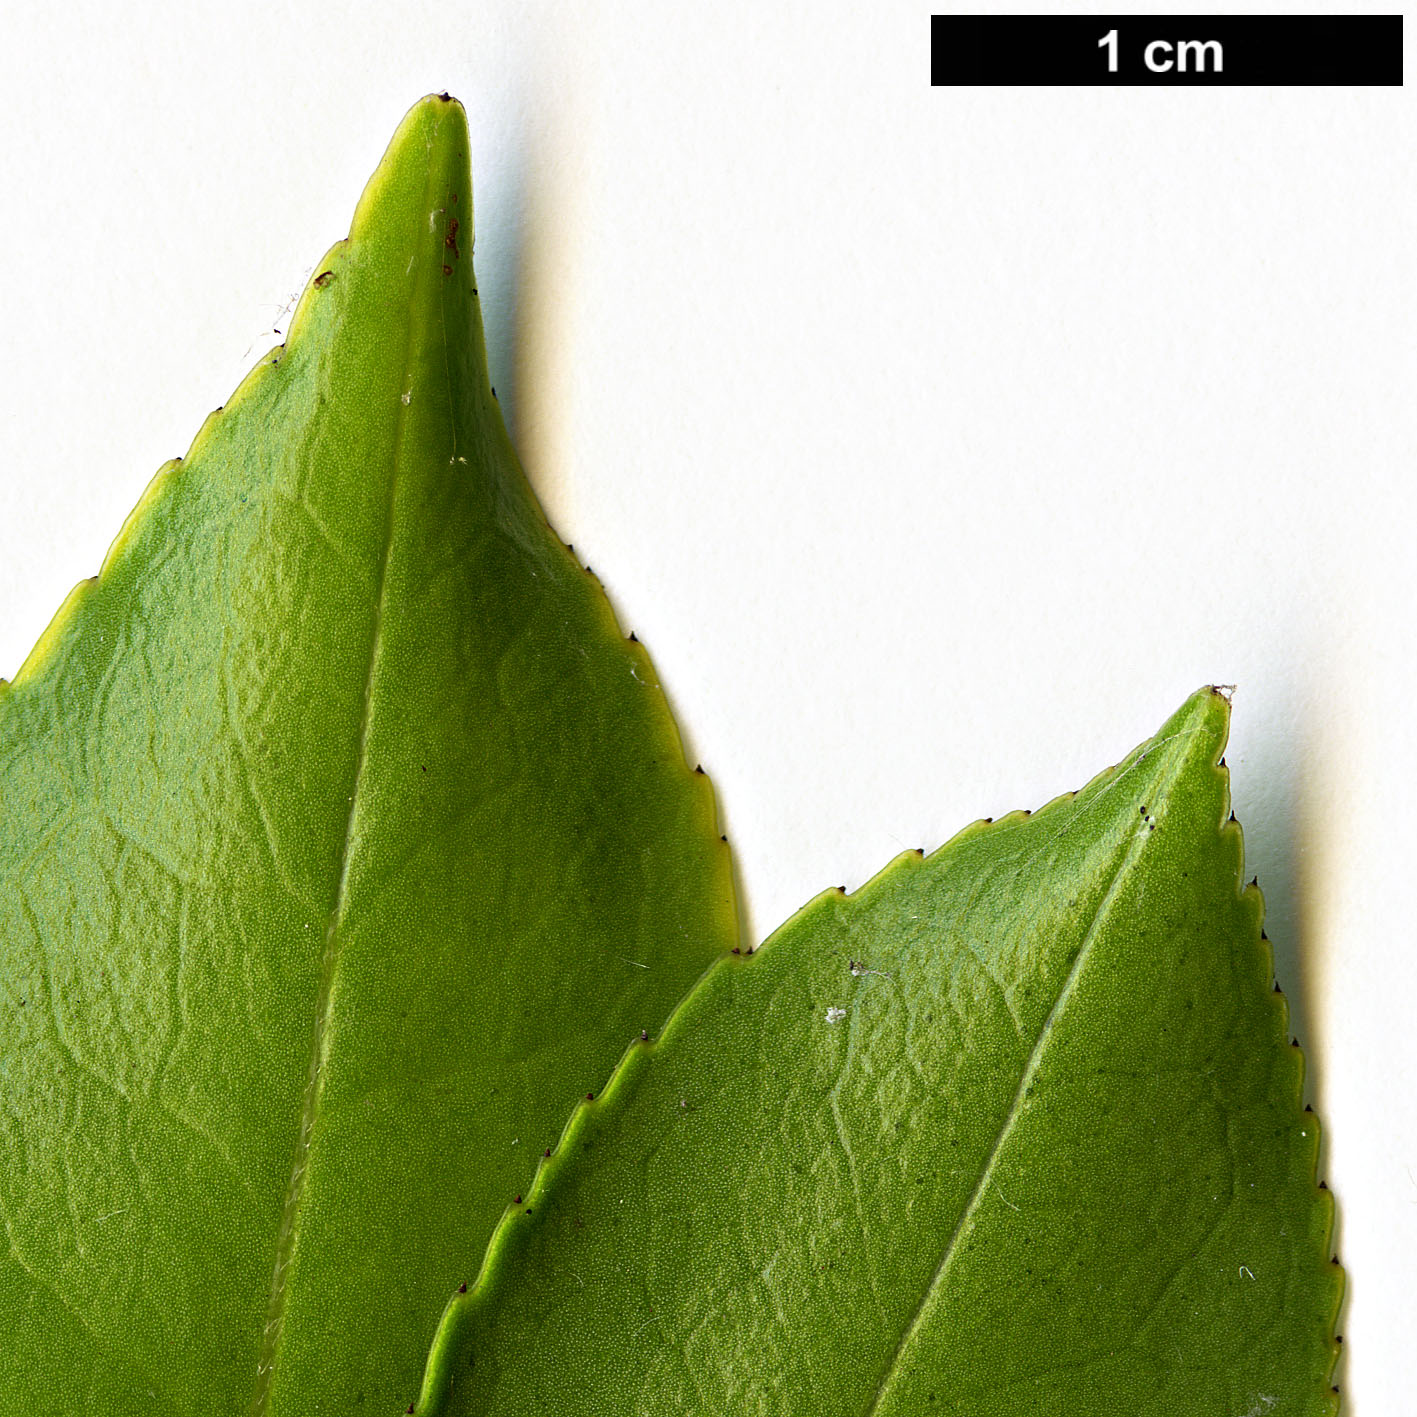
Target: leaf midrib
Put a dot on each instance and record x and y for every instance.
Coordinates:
(273, 1328)
(1030, 1070)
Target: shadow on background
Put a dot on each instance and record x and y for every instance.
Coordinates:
(1297, 764)
(543, 270)
(531, 316)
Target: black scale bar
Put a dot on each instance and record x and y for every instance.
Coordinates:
(1075, 50)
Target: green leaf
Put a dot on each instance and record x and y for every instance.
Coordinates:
(344, 842)
(1015, 1129)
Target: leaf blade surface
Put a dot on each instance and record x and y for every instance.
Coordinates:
(1016, 1128)
(343, 842)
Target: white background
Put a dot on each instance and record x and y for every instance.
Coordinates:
(938, 443)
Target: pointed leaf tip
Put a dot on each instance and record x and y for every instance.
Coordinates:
(1044, 1152)
(424, 166)
(336, 749)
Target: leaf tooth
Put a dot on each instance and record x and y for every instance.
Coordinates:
(837, 900)
(643, 669)
(265, 367)
(1311, 1132)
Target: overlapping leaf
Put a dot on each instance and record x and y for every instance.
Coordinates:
(1015, 1129)
(344, 840)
